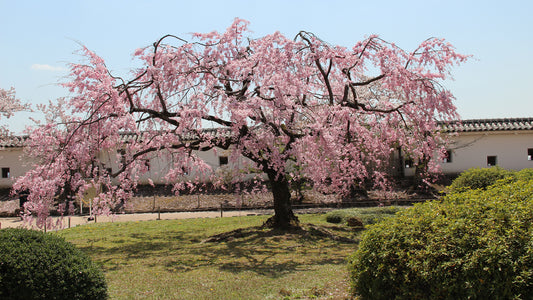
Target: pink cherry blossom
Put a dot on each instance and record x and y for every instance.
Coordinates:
(9, 104)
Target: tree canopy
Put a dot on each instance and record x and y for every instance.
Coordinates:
(295, 108)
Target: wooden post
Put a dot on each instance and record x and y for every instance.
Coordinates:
(221, 209)
(95, 219)
(68, 221)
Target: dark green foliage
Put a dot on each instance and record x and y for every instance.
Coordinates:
(366, 215)
(472, 245)
(35, 265)
(334, 217)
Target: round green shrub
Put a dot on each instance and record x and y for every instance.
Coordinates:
(334, 218)
(472, 245)
(35, 265)
(478, 178)
(368, 215)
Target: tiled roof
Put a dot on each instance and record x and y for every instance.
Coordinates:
(214, 132)
(13, 141)
(474, 125)
(478, 125)
(19, 141)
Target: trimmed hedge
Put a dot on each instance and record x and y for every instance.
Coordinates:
(35, 265)
(478, 178)
(472, 245)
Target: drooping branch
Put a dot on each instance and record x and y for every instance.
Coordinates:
(367, 82)
(217, 120)
(325, 78)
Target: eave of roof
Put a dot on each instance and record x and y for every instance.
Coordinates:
(480, 125)
(471, 125)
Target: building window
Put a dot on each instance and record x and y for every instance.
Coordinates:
(5, 172)
(409, 163)
(147, 165)
(530, 154)
(184, 171)
(122, 156)
(447, 156)
(222, 160)
(491, 161)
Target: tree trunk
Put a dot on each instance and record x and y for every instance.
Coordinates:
(283, 217)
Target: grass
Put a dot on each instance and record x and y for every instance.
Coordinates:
(168, 259)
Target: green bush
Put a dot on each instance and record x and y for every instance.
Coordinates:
(335, 217)
(478, 178)
(471, 245)
(368, 215)
(524, 174)
(35, 265)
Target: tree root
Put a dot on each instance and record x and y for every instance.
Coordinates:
(290, 224)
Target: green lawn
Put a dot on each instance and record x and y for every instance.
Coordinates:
(169, 259)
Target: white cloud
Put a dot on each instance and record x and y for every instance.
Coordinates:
(42, 67)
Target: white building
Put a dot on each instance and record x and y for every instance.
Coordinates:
(12, 163)
(481, 143)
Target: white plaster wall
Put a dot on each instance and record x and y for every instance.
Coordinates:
(159, 166)
(12, 158)
(468, 150)
(471, 150)
(160, 163)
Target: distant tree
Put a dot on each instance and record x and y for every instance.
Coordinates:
(9, 104)
(296, 108)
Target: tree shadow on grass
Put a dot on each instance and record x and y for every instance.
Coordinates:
(270, 253)
(266, 252)
(134, 245)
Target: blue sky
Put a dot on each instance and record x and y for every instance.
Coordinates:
(39, 38)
